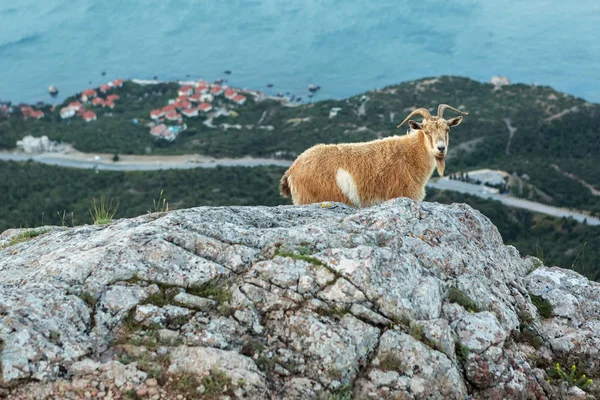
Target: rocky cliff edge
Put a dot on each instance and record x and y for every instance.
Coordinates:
(400, 301)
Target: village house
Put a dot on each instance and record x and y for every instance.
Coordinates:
(206, 107)
(104, 88)
(89, 116)
(190, 112)
(109, 104)
(75, 105)
(202, 88)
(112, 97)
(208, 98)
(239, 99)
(170, 107)
(230, 93)
(88, 94)
(67, 112)
(156, 114)
(98, 101)
(37, 114)
(216, 90)
(195, 97)
(185, 90)
(158, 130)
(172, 115)
(117, 83)
(26, 111)
(182, 98)
(183, 105)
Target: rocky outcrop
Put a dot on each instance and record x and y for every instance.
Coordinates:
(403, 300)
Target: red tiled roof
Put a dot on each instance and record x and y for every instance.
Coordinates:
(98, 101)
(230, 93)
(157, 113)
(158, 129)
(195, 97)
(89, 93)
(112, 97)
(190, 112)
(104, 88)
(204, 106)
(170, 107)
(117, 82)
(109, 103)
(75, 104)
(37, 114)
(89, 115)
(239, 99)
(216, 89)
(183, 104)
(172, 115)
(183, 98)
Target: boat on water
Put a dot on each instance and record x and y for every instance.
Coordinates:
(52, 90)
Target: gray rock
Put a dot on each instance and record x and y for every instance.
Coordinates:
(306, 302)
(194, 302)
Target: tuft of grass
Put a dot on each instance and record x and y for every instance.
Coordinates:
(416, 331)
(539, 253)
(543, 306)
(103, 212)
(333, 311)
(343, 393)
(573, 377)
(462, 351)
(130, 395)
(63, 218)
(302, 256)
(26, 235)
(216, 384)
(212, 290)
(252, 347)
(461, 298)
(88, 298)
(160, 206)
(391, 362)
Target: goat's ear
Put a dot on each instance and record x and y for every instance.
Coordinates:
(414, 125)
(455, 121)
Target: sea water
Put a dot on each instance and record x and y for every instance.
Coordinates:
(344, 46)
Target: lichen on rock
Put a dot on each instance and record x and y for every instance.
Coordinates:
(400, 300)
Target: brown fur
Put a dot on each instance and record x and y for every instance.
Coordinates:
(397, 166)
(383, 169)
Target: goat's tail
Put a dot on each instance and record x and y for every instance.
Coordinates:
(284, 185)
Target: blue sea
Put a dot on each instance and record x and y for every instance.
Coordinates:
(345, 46)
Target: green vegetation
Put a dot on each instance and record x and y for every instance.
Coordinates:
(462, 351)
(103, 213)
(461, 298)
(416, 331)
(88, 298)
(303, 257)
(161, 205)
(543, 306)
(391, 362)
(573, 377)
(216, 385)
(26, 235)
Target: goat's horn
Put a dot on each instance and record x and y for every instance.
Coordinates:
(421, 111)
(442, 107)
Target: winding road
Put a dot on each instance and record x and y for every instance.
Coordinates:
(154, 163)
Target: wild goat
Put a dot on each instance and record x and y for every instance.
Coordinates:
(369, 173)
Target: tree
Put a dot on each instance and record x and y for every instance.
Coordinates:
(116, 157)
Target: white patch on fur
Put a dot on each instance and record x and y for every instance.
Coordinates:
(347, 185)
